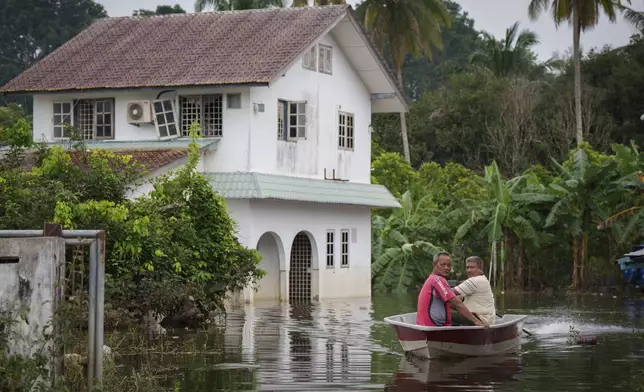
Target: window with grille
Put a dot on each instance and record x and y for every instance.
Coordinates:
(330, 248)
(345, 130)
(325, 63)
(344, 254)
(206, 109)
(91, 118)
(309, 60)
(291, 120)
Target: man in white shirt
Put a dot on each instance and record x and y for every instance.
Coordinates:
(477, 293)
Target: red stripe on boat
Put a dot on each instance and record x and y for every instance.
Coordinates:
(475, 337)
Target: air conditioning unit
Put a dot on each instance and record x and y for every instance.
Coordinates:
(139, 112)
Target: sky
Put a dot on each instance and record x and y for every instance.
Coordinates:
(493, 16)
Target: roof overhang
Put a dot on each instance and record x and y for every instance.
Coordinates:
(371, 67)
(261, 186)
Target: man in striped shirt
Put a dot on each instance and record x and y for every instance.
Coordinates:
(477, 293)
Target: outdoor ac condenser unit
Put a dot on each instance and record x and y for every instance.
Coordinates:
(139, 112)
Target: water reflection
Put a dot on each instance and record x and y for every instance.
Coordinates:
(418, 374)
(344, 345)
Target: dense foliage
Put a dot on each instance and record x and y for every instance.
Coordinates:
(162, 247)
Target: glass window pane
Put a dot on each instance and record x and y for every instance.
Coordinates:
(58, 132)
(167, 105)
(293, 108)
(158, 107)
(172, 130)
(160, 119)
(67, 107)
(301, 132)
(108, 131)
(292, 133)
(163, 131)
(301, 108)
(57, 119)
(107, 119)
(301, 119)
(170, 117)
(57, 108)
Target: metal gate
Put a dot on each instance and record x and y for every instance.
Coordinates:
(299, 281)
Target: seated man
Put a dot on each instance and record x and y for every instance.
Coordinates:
(477, 293)
(436, 297)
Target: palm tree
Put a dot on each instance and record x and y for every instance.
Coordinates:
(583, 15)
(405, 27)
(507, 56)
(230, 5)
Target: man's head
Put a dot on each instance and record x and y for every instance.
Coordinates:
(442, 264)
(474, 266)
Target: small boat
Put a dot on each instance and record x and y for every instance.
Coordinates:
(432, 342)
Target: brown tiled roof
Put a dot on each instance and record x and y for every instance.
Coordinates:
(149, 159)
(211, 48)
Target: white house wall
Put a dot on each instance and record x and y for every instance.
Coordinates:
(325, 96)
(232, 154)
(284, 220)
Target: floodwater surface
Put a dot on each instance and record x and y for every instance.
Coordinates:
(345, 346)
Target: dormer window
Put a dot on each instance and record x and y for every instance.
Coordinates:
(325, 65)
(309, 60)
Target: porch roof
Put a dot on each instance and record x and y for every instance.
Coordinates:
(253, 185)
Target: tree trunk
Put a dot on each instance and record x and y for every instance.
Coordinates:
(583, 255)
(520, 264)
(509, 271)
(577, 59)
(403, 124)
(575, 262)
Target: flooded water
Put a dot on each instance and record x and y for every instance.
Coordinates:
(345, 346)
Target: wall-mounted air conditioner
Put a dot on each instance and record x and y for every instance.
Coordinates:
(139, 112)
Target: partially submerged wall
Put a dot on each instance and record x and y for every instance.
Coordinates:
(32, 273)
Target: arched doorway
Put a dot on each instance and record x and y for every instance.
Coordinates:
(270, 248)
(299, 277)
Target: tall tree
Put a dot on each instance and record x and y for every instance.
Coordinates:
(405, 27)
(161, 10)
(582, 15)
(230, 5)
(31, 29)
(508, 56)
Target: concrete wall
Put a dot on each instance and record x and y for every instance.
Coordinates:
(34, 283)
(282, 221)
(325, 95)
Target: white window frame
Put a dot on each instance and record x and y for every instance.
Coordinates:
(344, 248)
(167, 123)
(330, 249)
(284, 125)
(310, 59)
(325, 59)
(74, 104)
(346, 132)
(61, 125)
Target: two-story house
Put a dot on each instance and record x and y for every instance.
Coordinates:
(284, 98)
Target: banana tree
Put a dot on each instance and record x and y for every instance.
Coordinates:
(582, 194)
(401, 256)
(505, 217)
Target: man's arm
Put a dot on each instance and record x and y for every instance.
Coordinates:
(460, 307)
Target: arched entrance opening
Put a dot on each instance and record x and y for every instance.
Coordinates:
(299, 278)
(270, 248)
